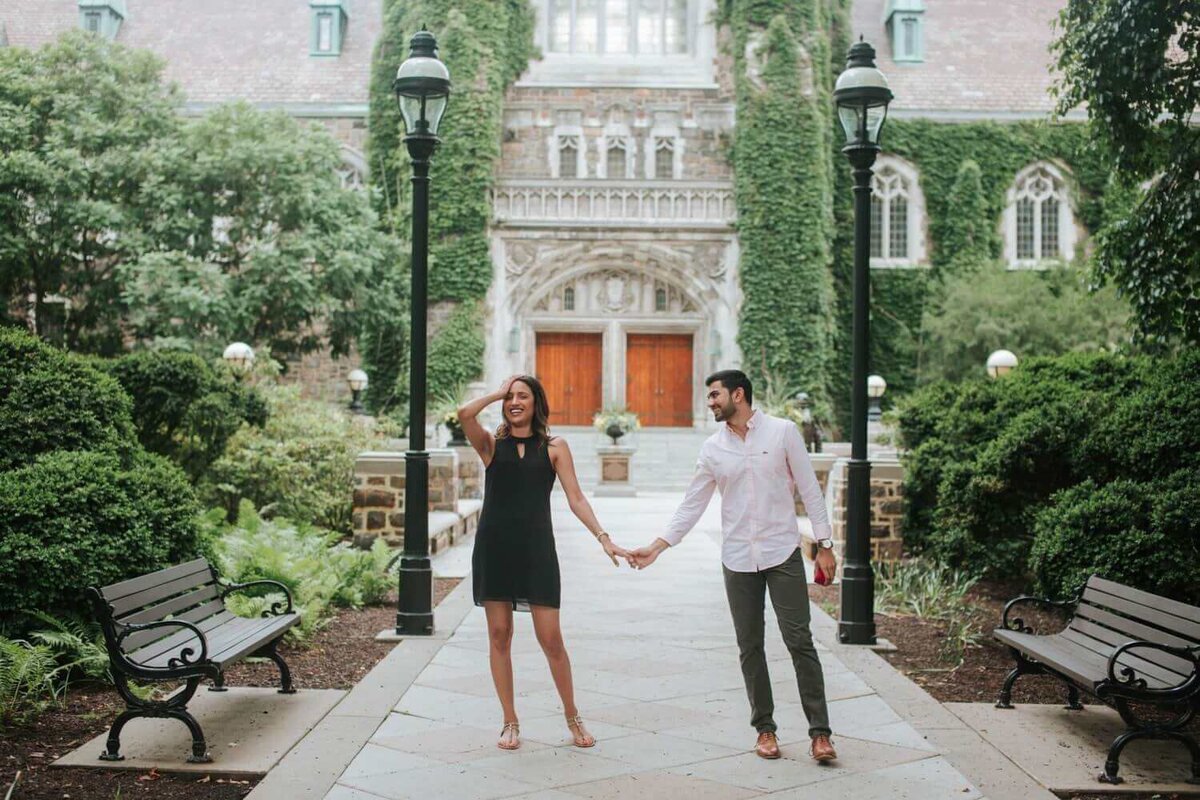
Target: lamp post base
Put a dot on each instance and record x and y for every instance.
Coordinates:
(416, 593)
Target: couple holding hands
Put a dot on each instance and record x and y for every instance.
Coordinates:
(753, 459)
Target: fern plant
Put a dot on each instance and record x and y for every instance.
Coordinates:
(78, 645)
(27, 678)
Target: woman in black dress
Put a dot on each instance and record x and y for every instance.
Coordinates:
(514, 565)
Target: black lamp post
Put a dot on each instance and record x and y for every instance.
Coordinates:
(422, 88)
(862, 96)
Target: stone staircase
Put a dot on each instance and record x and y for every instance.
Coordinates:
(664, 459)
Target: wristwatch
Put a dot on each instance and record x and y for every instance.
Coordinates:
(825, 543)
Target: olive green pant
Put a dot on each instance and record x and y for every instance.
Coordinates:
(788, 586)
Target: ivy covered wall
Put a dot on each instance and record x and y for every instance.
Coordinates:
(963, 210)
(783, 182)
(486, 44)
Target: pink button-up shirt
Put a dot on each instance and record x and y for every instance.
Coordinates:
(757, 478)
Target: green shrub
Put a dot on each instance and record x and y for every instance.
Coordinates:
(77, 519)
(299, 465)
(1145, 534)
(182, 408)
(321, 574)
(956, 451)
(50, 400)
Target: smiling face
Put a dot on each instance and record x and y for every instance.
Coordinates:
(720, 401)
(519, 405)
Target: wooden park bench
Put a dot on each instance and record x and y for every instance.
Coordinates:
(1135, 651)
(172, 625)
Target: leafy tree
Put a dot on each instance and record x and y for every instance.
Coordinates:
(256, 238)
(76, 118)
(1032, 313)
(1136, 66)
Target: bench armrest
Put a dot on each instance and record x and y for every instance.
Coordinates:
(185, 654)
(1017, 624)
(276, 609)
(1128, 680)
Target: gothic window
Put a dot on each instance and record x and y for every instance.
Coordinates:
(660, 299)
(568, 157)
(616, 160)
(569, 299)
(896, 210)
(664, 158)
(617, 27)
(1038, 221)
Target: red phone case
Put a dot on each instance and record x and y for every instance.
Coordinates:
(819, 575)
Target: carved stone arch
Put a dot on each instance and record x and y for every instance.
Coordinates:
(544, 273)
(1046, 189)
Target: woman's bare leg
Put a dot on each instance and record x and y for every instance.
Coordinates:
(549, 636)
(500, 632)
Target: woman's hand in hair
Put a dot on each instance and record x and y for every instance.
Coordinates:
(506, 387)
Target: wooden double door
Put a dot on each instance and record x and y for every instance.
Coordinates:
(658, 379)
(570, 367)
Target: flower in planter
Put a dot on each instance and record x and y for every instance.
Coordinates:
(616, 422)
(453, 427)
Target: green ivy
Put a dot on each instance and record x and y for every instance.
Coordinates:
(486, 44)
(965, 170)
(782, 159)
(456, 353)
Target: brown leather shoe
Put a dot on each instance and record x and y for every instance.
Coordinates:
(767, 745)
(822, 749)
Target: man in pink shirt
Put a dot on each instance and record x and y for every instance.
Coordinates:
(756, 461)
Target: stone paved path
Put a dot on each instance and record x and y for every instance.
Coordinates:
(657, 679)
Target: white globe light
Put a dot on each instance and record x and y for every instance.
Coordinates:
(876, 386)
(357, 380)
(239, 354)
(1000, 363)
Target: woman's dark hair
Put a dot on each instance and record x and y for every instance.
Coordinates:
(732, 379)
(541, 411)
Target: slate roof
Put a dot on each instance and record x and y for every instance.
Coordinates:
(219, 50)
(988, 58)
(985, 58)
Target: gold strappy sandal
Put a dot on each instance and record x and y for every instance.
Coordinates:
(515, 727)
(575, 723)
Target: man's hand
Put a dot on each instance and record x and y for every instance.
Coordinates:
(827, 561)
(645, 556)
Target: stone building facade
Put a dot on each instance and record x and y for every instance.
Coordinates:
(614, 242)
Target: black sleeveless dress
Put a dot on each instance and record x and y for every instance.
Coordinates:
(514, 558)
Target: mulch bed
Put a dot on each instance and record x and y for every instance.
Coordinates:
(979, 678)
(337, 657)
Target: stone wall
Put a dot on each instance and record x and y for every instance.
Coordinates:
(701, 117)
(379, 496)
(887, 508)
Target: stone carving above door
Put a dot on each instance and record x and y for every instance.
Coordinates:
(608, 292)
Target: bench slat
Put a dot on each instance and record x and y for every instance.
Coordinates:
(1088, 635)
(228, 637)
(1076, 662)
(173, 606)
(1135, 630)
(1183, 611)
(156, 594)
(1114, 639)
(278, 627)
(117, 591)
(1187, 629)
(180, 637)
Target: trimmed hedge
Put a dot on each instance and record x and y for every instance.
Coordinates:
(182, 408)
(76, 519)
(50, 401)
(1011, 476)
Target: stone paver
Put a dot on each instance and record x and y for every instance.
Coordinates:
(657, 679)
